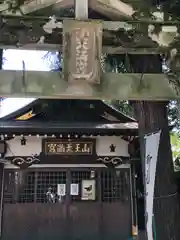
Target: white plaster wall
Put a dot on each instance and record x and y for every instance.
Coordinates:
(103, 146)
(34, 146)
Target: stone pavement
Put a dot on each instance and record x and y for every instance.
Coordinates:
(141, 236)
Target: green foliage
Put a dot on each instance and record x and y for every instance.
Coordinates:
(175, 142)
(124, 107)
(173, 115)
(175, 146)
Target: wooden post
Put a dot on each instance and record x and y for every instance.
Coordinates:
(1, 169)
(1, 195)
(81, 9)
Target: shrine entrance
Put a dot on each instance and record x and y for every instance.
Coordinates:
(67, 203)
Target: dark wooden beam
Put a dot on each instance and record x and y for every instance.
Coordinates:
(16, 128)
(36, 33)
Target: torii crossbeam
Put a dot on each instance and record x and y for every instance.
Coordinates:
(82, 42)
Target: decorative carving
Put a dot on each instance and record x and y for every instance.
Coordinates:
(115, 161)
(25, 162)
(112, 148)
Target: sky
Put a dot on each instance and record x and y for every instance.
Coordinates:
(33, 60)
(13, 60)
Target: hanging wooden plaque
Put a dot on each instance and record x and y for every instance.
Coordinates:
(82, 43)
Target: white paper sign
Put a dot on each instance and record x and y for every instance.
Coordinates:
(151, 154)
(88, 190)
(61, 189)
(74, 189)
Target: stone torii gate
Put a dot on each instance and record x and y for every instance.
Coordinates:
(82, 42)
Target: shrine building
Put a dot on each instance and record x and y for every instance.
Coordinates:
(68, 171)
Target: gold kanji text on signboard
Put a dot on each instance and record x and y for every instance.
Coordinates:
(69, 148)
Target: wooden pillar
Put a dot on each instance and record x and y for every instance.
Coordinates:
(81, 9)
(1, 195)
(1, 168)
(134, 200)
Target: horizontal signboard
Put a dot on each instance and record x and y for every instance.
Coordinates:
(68, 147)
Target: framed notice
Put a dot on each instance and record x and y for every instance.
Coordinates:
(61, 189)
(88, 191)
(74, 189)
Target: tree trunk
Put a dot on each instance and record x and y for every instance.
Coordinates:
(1, 165)
(152, 116)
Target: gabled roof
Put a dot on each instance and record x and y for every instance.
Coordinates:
(72, 110)
(75, 116)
